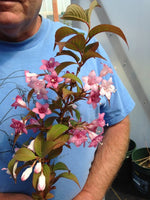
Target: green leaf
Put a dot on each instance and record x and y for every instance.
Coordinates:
(70, 176)
(60, 166)
(62, 66)
(76, 43)
(38, 144)
(66, 93)
(49, 196)
(47, 172)
(75, 12)
(24, 154)
(56, 131)
(49, 121)
(11, 165)
(107, 28)
(48, 147)
(61, 141)
(35, 180)
(72, 77)
(91, 54)
(63, 32)
(77, 114)
(70, 53)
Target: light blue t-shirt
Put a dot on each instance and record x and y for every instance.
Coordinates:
(27, 55)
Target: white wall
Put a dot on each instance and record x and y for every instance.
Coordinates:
(131, 64)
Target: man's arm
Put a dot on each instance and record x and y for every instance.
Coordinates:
(107, 161)
(13, 196)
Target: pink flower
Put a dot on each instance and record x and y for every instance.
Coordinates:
(79, 137)
(39, 88)
(94, 98)
(19, 102)
(53, 80)
(41, 182)
(38, 167)
(96, 140)
(26, 173)
(91, 81)
(100, 122)
(29, 76)
(19, 127)
(42, 110)
(42, 94)
(36, 123)
(49, 65)
(107, 88)
(106, 70)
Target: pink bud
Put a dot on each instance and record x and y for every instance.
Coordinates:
(38, 168)
(26, 173)
(41, 182)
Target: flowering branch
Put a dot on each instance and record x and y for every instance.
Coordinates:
(54, 123)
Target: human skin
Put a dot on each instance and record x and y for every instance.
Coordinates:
(19, 19)
(12, 196)
(107, 162)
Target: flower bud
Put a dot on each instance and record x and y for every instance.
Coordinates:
(26, 173)
(31, 145)
(41, 183)
(38, 168)
(14, 169)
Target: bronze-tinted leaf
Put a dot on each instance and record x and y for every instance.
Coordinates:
(30, 95)
(62, 66)
(70, 53)
(55, 153)
(92, 46)
(76, 43)
(75, 12)
(89, 11)
(63, 32)
(107, 28)
(91, 54)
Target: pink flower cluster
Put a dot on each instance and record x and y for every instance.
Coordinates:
(91, 133)
(79, 135)
(98, 86)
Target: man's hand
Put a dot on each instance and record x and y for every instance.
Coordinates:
(14, 196)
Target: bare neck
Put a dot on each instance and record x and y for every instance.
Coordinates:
(17, 33)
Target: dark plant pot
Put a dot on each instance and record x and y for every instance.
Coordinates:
(125, 173)
(141, 175)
